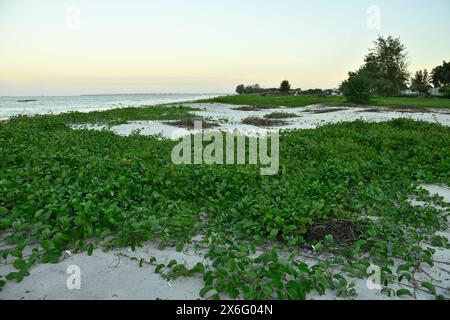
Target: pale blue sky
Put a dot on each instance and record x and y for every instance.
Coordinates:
(203, 46)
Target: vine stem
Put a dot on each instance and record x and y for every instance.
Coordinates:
(429, 275)
(442, 262)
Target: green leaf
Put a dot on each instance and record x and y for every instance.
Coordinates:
(162, 245)
(428, 260)
(17, 253)
(354, 272)
(429, 287)
(3, 211)
(216, 297)
(273, 233)
(404, 267)
(11, 276)
(398, 251)
(233, 293)
(20, 264)
(342, 281)
(159, 268)
(208, 278)
(22, 274)
(5, 253)
(179, 246)
(416, 249)
(252, 275)
(303, 267)
(172, 263)
(47, 245)
(205, 290)
(38, 214)
(51, 257)
(318, 247)
(405, 275)
(329, 239)
(404, 292)
(90, 249)
(199, 268)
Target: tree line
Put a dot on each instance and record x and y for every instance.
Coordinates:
(385, 73)
(285, 87)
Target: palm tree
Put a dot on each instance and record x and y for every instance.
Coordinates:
(446, 74)
(421, 81)
(441, 75)
(437, 76)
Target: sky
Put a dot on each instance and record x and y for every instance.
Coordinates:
(61, 47)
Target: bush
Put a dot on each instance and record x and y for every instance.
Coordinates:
(240, 89)
(445, 91)
(357, 89)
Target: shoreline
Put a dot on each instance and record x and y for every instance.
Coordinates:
(55, 105)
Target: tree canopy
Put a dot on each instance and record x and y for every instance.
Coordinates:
(357, 87)
(383, 73)
(440, 76)
(240, 89)
(421, 81)
(386, 65)
(285, 86)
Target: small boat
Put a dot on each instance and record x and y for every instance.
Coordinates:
(28, 100)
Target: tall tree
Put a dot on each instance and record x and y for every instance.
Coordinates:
(441, 75)
(285, 86)
(386, 65)
(446, 73)
(437, 76)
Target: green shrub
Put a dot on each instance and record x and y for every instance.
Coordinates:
(445, 91)
(357, 88)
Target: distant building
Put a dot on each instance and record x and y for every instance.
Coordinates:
(336, 93)
(435, 92)
(297, 91)
(409, 92)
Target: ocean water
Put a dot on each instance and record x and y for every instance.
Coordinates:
(10, 106)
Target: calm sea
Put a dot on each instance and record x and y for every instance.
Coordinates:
(11, 106)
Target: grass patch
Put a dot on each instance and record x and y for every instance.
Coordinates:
(275, 101)
(122, 115)
(436, 103)
(263, 122)
(307, 100)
